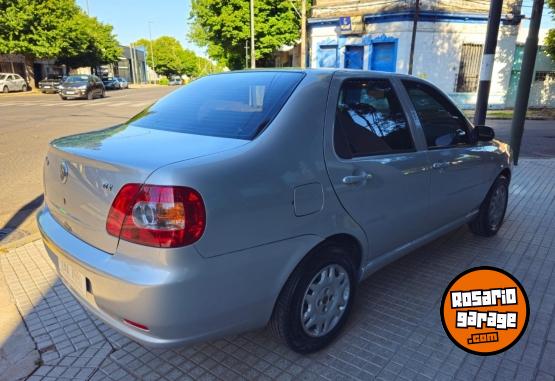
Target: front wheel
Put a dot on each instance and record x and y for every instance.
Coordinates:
(24, 87)
(492, 211)
(5, 90)
(316, 300)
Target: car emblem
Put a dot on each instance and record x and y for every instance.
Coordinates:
(64, 172)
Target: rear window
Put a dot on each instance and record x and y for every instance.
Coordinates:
(235, 105)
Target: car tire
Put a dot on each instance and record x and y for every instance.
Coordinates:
(90, 95)
(291, 316)
(63, 98)
(492, 211)
(5, 90)
(103, 93)
(24, 88)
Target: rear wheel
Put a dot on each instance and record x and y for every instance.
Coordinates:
(316, 300)
(492, 211)
(24, 87)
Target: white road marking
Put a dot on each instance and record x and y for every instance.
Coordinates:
(117, 104)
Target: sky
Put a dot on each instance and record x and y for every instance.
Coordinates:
(130, 18)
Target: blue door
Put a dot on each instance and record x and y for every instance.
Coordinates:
(384, 56)
(354, 57)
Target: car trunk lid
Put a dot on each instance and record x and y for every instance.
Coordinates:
(83, 173)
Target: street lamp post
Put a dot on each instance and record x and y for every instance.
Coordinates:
(253, 58)
(151, 49)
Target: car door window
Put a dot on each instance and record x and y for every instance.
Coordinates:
(442, 122)
(369, 120)
(10, 77)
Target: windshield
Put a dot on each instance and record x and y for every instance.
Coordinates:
(53, 76)
(236, 105)
(77, 78)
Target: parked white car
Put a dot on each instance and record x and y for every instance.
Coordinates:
(12, 82)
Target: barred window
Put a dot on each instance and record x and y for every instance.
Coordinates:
(542, 76)
(469, 68)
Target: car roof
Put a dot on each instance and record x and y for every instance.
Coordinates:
(326, 71)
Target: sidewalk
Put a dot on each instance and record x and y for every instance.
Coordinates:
(395, 331)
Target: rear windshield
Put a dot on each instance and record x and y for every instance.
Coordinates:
(234, 105)
(77, 78)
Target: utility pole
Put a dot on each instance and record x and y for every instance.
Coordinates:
(494, 20)
(525, 81)
(246, 54)
(88, 12)
(303, 34)
(151, 48)
(413, 37)
(253, 56)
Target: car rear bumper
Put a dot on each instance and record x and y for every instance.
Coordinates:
(74, 94)
(201, 299)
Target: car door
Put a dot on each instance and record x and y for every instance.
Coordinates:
(377, 170)
(10, 80)
(457, 182)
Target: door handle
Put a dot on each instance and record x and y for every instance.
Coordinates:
(357, 179)
(440, 164)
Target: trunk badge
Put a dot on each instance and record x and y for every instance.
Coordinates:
(64, 172)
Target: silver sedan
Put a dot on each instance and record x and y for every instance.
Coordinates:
(259, 197)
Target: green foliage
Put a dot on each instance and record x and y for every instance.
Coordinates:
(55, 28)
(549, 43)
(223, 26)
(170, 58)
(164, 81)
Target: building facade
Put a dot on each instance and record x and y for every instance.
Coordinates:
(376, 35)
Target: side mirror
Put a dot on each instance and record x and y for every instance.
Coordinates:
(484, 133)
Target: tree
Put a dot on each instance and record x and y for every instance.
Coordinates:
(55, 29)
(550, 38)
(35, 28)
(171, 59)
(223, 27)
(91, 43)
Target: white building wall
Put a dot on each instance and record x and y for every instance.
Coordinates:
(437, 52)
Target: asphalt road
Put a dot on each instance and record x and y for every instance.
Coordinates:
(29, 121)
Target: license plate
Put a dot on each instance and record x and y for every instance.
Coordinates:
(46, 87)
(70, 92)
(73, 277)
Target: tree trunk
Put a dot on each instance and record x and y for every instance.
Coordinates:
(29, 71)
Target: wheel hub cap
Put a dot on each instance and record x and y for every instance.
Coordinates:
(325, 300)
(497, 206)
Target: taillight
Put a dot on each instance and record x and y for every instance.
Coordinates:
(160, 216)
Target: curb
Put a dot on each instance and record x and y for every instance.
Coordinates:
(19, 242)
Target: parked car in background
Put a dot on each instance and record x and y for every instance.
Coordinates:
(51, 84)
(264, 196)
(82, 86)
(111, 83)
(12, 82)
(175, 81)
(123, 84)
